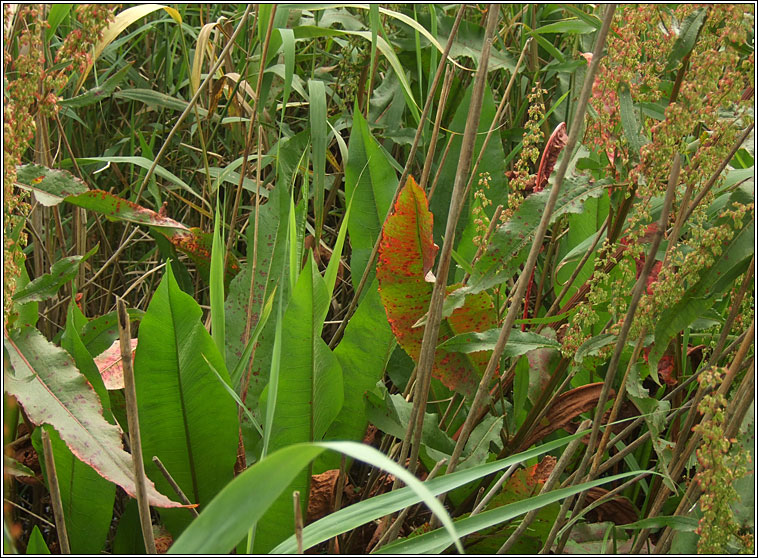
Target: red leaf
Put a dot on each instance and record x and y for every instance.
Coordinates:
(554, 146)
(406, 258)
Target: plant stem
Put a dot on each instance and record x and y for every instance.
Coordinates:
(55, 494)
(132, 417)
(431, 331)
(639, 288)
(483, 390)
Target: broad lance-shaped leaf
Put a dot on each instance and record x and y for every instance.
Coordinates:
(53, 186)
(406, 257)
(186, 416)
(370, 182)
(45, 286)
(309, 394)
(50, 186)
(519, 342)
(509, 245)
(43, 378)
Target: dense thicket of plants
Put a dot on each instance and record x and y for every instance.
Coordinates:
(378, 278)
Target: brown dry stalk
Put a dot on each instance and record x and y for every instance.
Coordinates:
(132, 417)
(446, 84)
(431, 331)
(55, 493)
(483, 389)
(639, 288)
(678, 462)
(736, 411)
(617, 404)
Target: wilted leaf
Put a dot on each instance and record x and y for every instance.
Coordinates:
(197, 245)
(618, 509)
(120, 209)
(50, 186)
(566, 407)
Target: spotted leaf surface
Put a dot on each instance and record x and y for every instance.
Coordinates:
(44, 379)
(406, 257)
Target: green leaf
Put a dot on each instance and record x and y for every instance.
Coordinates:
(714, 282)
(50, 186)
(688, 33)
(99, 93)
(236, 374)
(567, 26)
(477, 448)
(14, 468)
(141, 162)
(317, 97)
(28, 313)
(492, 163)
(246, 290)
(229, 174)
(676, 522)
(630, 122)
(370, 183)
(593, 345)
(157, 99)
(100, 333)
(216, 531)
(654, 411)
(309, 31)
(52, 391)
(437, 541)
(392, 414)
(186, 418)
(42, 288)
(87, 499)
(330, 275)
(58, 13)
(510, 242)
(218, 252)
(36, 544)
(355, 515)
(308, 397)
(519, 342)
(362, 353)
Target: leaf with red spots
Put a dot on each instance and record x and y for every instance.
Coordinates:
(406, 257)
(197, 245)
(50, 186)
(47, 384)
(120, 209)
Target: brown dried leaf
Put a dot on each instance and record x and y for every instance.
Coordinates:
(321, 496)
(567, 406)
(618, 509)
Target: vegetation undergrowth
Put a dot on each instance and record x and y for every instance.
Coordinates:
(382, 278)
